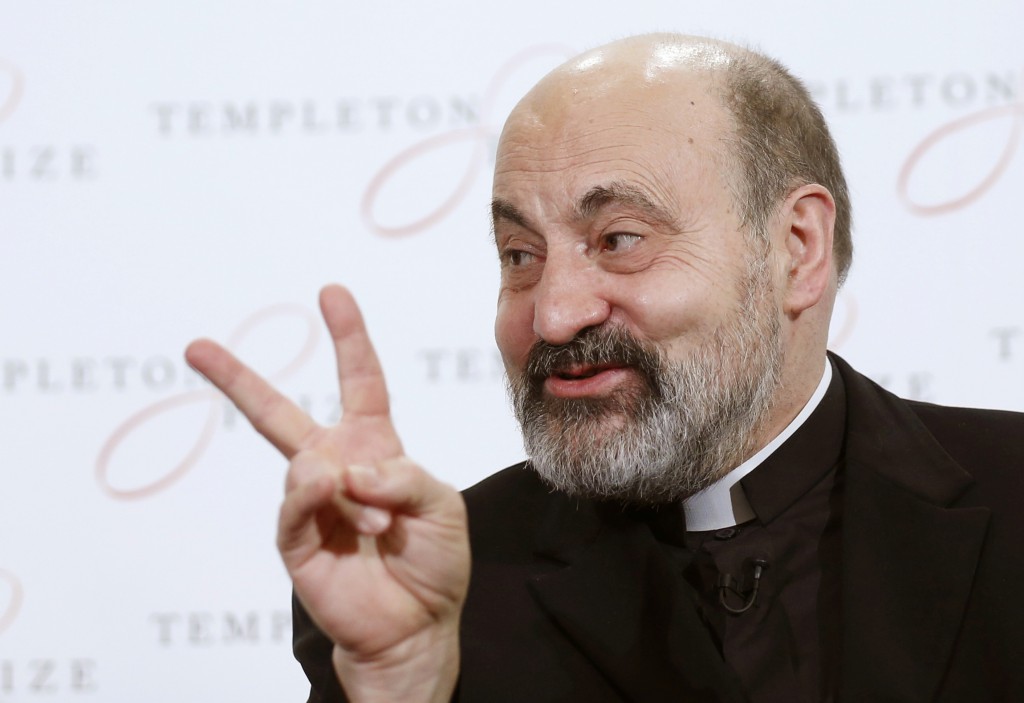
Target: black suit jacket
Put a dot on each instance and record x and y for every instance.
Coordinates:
(573, 600)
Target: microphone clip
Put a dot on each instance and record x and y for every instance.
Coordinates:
(726, 582)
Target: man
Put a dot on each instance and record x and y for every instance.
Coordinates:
(672, 225)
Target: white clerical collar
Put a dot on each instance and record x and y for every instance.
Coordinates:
(723, 503)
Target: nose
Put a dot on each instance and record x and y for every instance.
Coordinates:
(569, 298)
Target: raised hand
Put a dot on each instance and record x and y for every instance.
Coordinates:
(376, 547)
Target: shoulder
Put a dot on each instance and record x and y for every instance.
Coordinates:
(935, 450)
(987, 444)
(516, 479)
(507, 509)
(963, 432)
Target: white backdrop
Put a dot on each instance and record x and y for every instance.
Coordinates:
(171, 170)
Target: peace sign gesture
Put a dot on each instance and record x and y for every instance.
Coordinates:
(376, 547)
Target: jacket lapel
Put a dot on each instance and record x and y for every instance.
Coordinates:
(908, 557)
(620, 602)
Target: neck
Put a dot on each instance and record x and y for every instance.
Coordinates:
(723, 503)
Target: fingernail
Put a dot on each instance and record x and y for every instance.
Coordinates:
(374, 521)
(365, 475)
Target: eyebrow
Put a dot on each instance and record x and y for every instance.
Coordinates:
(626, 194)
(504, 210)
(590, 204)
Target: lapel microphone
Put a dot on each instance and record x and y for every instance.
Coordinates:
(727, 583)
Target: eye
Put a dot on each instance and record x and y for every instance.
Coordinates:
(619, 241)
(516, 257)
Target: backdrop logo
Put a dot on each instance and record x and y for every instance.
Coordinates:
(206, 629)
(279, 118)
(209, 398)
(887, 93)
(1005, 338)
(37, 162)
(38, 676)
(83, 375)
(464, 365)
(938, 152)
(12, 86)
(480, 138)
(15, 594)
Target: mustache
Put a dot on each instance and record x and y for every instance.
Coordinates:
(611, 345)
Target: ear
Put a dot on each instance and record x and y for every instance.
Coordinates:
(807, 218)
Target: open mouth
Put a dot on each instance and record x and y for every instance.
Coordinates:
(588, 380)
(580, 372)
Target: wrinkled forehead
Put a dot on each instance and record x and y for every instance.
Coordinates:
(642, 83)
(639, 120)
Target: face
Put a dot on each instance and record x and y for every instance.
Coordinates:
(638, 328)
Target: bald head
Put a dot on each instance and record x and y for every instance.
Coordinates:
(775, 138)
(640, 72)
(656, 56)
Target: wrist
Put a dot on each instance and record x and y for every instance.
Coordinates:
(422, 669)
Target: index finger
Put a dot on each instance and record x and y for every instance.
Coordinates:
(360, 377)
(275, 417)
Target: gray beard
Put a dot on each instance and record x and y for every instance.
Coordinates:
(683, 427)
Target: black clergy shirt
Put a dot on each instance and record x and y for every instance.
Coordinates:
(785, 647)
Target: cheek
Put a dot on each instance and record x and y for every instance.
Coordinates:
(663, 310)
(678, 317)
(513, 330)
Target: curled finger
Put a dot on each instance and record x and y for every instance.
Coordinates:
(317, 509)
(399, 484)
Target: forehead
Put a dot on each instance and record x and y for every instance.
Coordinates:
(662, 138)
